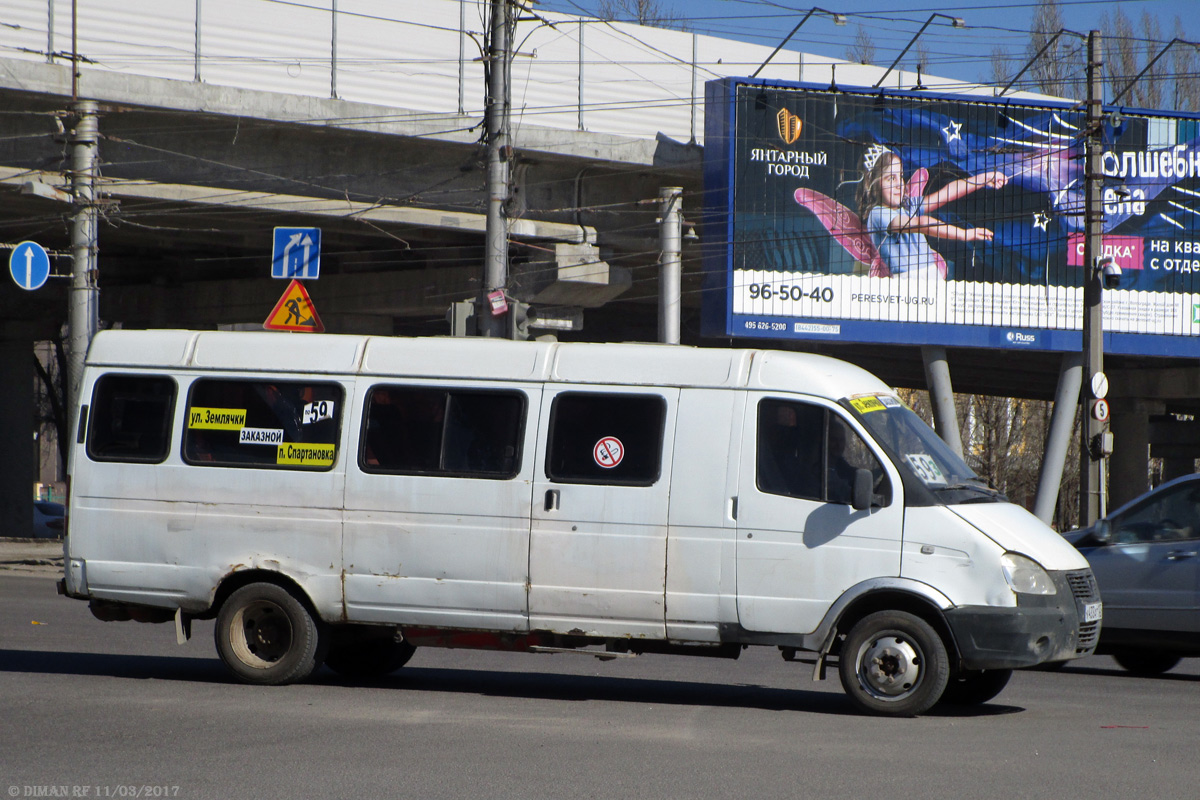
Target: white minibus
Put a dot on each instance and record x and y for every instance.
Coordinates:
(344, 500)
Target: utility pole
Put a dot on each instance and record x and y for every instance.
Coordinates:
(83, 311)
(499, 151)
(1095, 443)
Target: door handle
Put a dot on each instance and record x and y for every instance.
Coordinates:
(1180, 555)
(552, 499)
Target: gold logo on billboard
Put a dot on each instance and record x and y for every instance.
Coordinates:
(789, 126)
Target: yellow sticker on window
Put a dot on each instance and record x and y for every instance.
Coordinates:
(306, 455)
(865, 405)
(217, 419)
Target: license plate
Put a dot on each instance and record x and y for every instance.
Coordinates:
(1093, 612)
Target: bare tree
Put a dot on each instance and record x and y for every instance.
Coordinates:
(863, 49)
(1184, 66)
(643, 12)
(1060, 69)
(50, 403)
(1121, 54)
(1003, 66)
(921, 59)
(1151, 83)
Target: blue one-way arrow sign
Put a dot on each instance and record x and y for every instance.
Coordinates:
(29, 265)
(297, 253)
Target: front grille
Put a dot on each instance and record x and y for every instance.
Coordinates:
(1083, 585)
(1089, 632)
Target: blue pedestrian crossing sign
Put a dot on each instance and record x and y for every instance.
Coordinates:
(29, 265)
(296, 254)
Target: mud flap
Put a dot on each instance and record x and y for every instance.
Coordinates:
(183, 627)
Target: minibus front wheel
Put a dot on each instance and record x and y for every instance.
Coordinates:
(893, 663)
(266, 635)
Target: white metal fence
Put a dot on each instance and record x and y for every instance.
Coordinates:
(418, 55)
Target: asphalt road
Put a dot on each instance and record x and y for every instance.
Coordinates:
(119, 710)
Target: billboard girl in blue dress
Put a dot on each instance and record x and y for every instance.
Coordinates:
(898, 215)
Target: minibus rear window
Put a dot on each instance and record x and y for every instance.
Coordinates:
(131, 418)
(410, 430)
(275, 424)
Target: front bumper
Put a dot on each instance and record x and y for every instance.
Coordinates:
(1040, 629)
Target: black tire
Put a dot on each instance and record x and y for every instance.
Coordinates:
(1146, 662)
(975, 687)
(368, 658)
(266, 635)
(893, 664)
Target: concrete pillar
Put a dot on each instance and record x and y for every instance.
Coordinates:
(670, 267)
(1058, 438)
(941, 396)
(18, 466)
(1177, 468)
(1130, 462)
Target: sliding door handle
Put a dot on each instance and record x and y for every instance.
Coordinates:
(552, 499)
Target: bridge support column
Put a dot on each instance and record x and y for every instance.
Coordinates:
(19, 464)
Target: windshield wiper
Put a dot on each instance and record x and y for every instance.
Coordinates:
(978, 487)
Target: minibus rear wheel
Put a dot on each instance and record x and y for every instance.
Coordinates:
(265, 635)
(893, 663)
(975, 687)
(369, 658)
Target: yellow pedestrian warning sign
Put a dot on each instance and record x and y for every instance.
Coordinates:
(294, 312)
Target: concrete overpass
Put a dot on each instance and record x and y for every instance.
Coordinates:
(196, 170)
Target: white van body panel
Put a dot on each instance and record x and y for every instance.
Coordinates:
(598, 552)
(702, 534)
(416, 554)
(773, 370)
(447, 359)
(1015, 529)
(794, 554)
(168, 533)
(942, 550)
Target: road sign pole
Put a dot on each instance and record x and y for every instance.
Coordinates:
(83, 316)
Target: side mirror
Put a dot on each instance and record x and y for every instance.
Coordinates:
(1102, 532)
(860, 500)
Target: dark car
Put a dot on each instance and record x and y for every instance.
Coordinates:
(48, 519)
(1146, 558)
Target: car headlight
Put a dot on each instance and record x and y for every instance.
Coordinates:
(1025, 575)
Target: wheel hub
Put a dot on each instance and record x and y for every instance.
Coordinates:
(265, 636)
(889, 666)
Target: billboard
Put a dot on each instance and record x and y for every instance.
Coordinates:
(910, 217)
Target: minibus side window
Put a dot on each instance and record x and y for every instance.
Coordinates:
(131, 418)
(424, 431)
(808, 452)
(789, 449)
(606, 439)
(256, 423)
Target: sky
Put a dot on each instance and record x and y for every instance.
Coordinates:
(964, 54)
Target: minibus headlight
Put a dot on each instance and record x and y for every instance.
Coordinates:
(1025, 575)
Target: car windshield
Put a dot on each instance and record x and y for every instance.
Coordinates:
(915, 446)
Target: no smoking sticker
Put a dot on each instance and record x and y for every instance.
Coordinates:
(608, 452)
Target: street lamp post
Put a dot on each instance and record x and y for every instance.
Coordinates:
(955, 22)
(838, 19)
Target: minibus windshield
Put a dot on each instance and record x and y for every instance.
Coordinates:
(915, 446)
